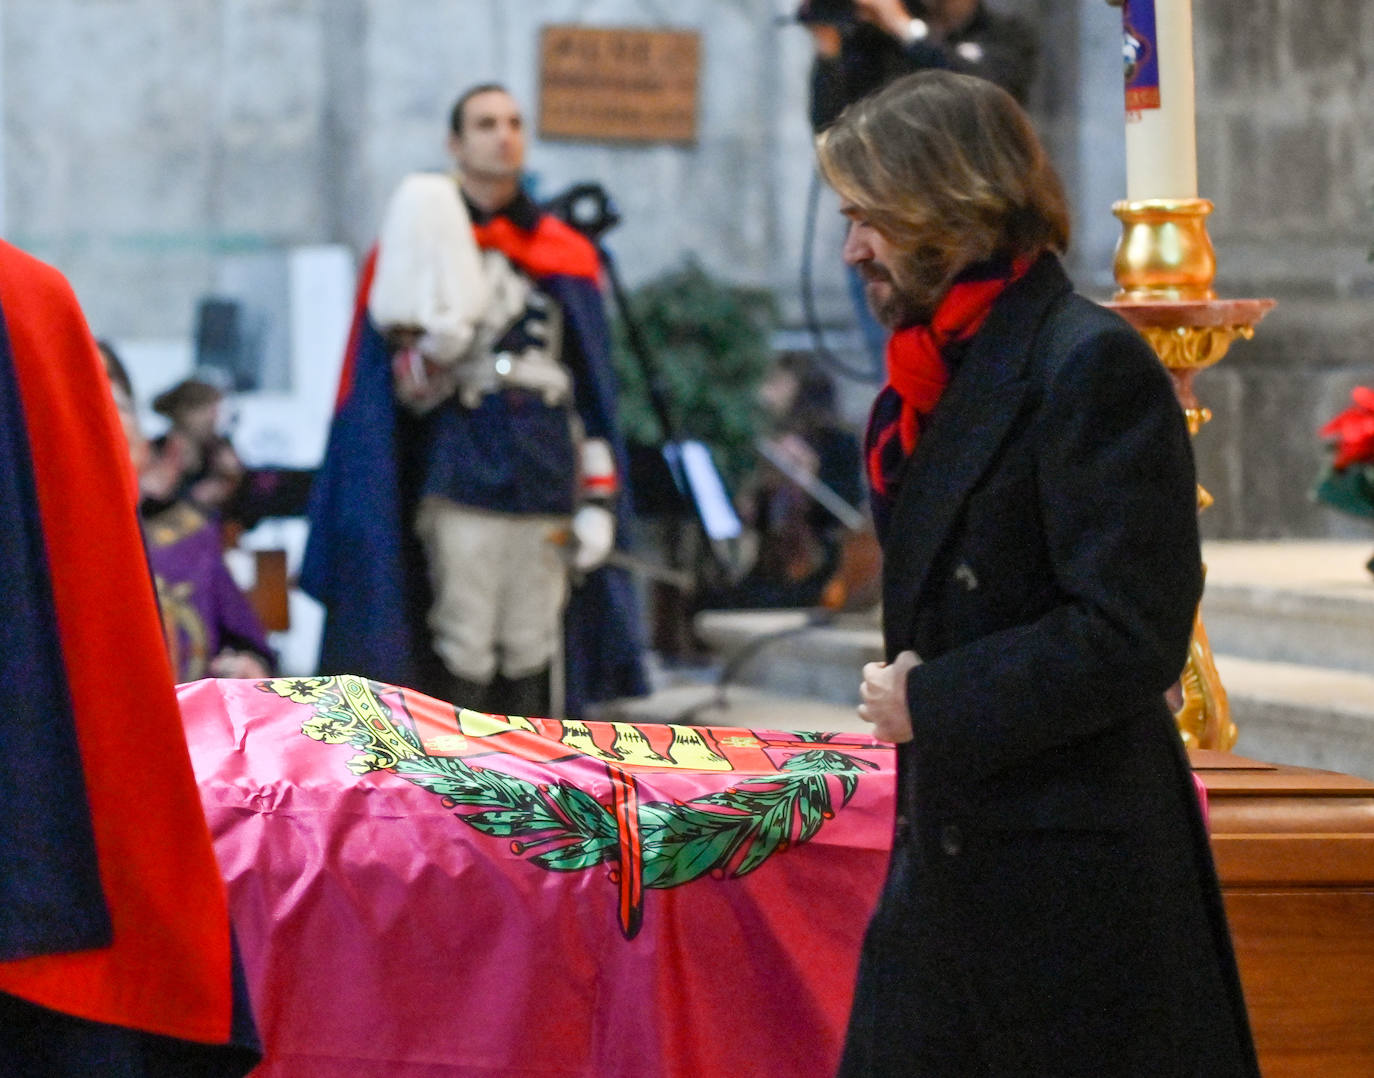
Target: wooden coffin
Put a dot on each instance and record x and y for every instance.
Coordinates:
(1294, 848)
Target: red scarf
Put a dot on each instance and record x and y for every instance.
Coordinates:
(917, 372)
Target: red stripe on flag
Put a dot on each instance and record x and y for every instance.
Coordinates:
(600, 485)
(626, 800)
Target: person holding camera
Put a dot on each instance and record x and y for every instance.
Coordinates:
(862, 45)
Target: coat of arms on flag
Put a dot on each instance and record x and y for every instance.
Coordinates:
(564, 794)
(421, 890)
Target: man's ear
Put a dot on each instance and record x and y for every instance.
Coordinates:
(454, 144)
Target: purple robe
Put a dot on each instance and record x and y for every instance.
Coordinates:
(203, 610)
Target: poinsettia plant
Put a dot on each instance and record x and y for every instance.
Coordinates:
(1348, 484)
(1353, 430)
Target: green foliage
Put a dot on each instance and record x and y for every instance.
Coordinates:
(563, 829)
(1351, 490)
(536, 816)
(710, 343)
(737, 830)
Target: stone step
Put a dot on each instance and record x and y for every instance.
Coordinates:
(1304, 715)
(1291, 714)
(1310, 603)
(785, 663)
(1291, 624)
(793, 652)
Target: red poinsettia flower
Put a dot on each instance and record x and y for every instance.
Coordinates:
(1353, 430)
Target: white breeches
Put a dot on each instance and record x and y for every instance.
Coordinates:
(500, 583)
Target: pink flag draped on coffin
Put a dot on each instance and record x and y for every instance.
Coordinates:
(421, 892)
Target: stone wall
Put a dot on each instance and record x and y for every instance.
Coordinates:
(1285, 93)
(150, 146)
(146, 139)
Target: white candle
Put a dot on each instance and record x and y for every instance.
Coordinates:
(1161, 142)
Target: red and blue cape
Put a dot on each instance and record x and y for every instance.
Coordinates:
(362, 560)
(114, 931)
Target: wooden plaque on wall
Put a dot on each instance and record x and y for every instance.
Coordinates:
(618, 85)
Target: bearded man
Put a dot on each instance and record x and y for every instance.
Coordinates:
(1051, 906)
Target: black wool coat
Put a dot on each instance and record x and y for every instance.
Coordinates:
(1052, 908)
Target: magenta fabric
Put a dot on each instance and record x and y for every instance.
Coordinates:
(421, 894)
(1202, 800)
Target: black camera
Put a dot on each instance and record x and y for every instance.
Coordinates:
(826, 11)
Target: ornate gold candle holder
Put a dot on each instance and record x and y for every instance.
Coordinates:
(1164, 267)
(1164, 251)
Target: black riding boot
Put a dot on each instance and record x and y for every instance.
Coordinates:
(461, 692)
(526, 696)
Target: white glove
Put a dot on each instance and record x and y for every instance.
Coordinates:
(593, 527)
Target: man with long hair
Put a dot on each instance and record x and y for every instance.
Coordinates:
(1051, 906)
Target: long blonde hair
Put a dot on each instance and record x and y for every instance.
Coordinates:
(948, 168)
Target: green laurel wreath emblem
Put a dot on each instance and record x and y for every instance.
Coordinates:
(562, 828)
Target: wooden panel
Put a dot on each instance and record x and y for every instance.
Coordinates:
(618, 85)
(1293, 815)
(1231, 774)
(1274, 825)
(1294, 849)
(1294, 860)
(269, 594)
(1214, 760)
(1307, 963)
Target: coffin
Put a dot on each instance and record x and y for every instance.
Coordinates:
(420, 892)
(1294, 848)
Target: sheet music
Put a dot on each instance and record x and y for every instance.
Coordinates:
(718, 515)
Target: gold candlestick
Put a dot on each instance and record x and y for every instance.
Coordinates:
(1164, 251)
(1164, 268)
